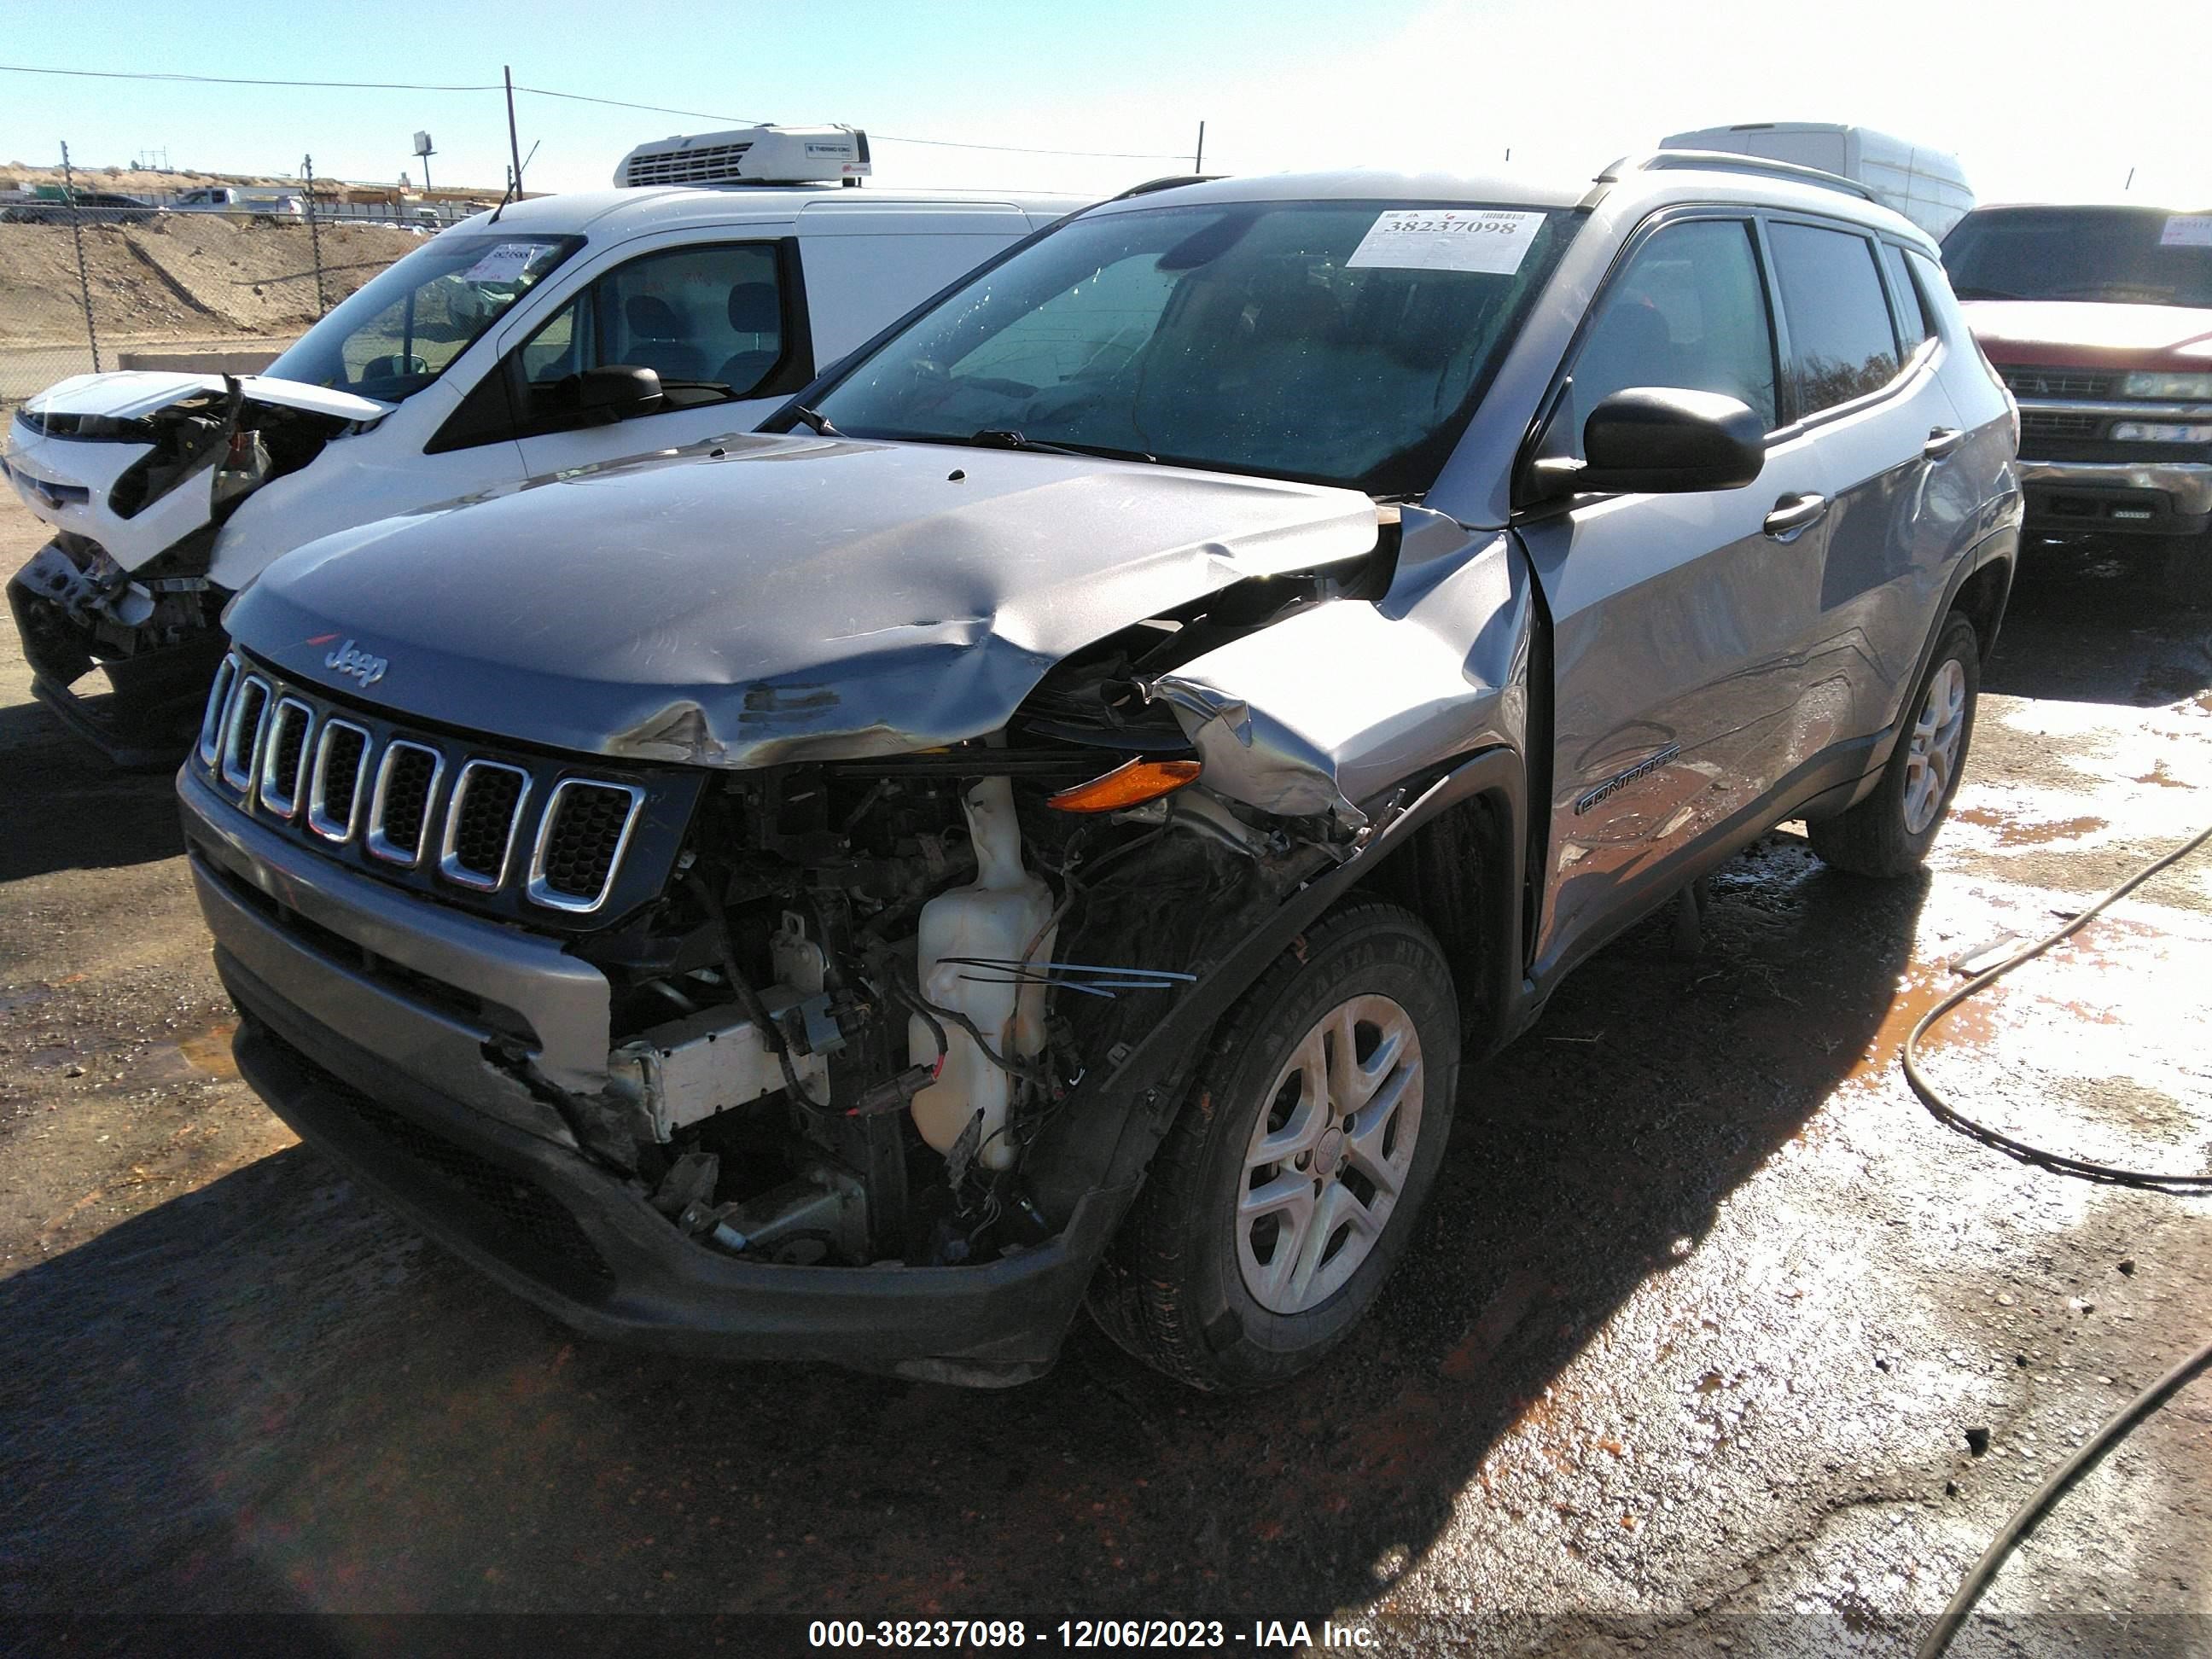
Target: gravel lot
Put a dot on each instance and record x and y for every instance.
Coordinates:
(1705, 1316)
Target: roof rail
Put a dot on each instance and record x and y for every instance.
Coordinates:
(1715, 160)
(1172, 181)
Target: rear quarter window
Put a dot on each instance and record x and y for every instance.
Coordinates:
(1914, 324)
(1843, 341)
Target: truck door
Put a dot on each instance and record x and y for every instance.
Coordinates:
(720, 323)
(1679, 622)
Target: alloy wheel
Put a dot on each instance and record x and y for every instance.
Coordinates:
(1329, 1154)
(1932, 760)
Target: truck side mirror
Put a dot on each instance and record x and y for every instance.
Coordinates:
(617, 390)
(1660, 440)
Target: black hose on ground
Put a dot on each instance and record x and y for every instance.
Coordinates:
(2059, 1163)
(2117, 1425)
(2023, 1519)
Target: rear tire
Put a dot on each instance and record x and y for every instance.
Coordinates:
(1890, 832)
(1289, 1185)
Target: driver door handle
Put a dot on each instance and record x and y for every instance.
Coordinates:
(1942, 441)
(1795, 515)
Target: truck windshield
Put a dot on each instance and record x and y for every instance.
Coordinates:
(400, 331)
(1341, 343)
(2114, 254)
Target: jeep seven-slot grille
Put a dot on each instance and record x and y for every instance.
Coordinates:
(434, 809)
(283, 753)
(584, 827)
(241, 731)
(334, 787)
(480, 828)
(406, 780)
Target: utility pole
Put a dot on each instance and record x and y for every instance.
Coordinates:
(83, 278)
(514, 145)
(1198, 161)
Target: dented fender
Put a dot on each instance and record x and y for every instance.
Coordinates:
(1334, 704)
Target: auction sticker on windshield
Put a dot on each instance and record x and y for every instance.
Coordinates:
(2188, 230)
(1494, 240)
(504, 263)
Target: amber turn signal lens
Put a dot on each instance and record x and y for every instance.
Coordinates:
(1130, 784)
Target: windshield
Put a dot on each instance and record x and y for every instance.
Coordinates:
(402, 328)
(2112, 254)
(1338, 342)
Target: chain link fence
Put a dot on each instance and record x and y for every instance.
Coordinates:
(209, 277)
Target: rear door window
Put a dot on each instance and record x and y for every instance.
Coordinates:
(1842, 341)
(1689, 311)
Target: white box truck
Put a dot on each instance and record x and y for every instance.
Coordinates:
(1928, 186)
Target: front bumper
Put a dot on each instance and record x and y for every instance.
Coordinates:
(2141, 498)
(367, 1037)
(158, 691)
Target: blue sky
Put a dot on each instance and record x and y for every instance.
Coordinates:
(1288, 83)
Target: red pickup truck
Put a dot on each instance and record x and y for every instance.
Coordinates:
(2099, 318)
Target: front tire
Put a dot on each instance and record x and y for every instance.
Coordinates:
(1889, 834)
(1290, 1183)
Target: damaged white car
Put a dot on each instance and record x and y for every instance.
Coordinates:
(684, 305)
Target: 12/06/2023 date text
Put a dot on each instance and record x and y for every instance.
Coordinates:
(1078, 1635)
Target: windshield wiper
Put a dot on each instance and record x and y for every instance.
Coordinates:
(1000, 437)
(1970, 292)
(816, 420)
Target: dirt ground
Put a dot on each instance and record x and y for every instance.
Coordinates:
(182, 275)
(1712, 1335)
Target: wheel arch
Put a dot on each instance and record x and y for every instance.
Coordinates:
(1108, 1142)
(1981, 599)
(1459, 871)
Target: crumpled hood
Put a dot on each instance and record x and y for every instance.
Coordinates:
(794, 597)
(2079, 334)
(133, 393)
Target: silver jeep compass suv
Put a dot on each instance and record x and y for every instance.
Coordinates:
(1044, 826)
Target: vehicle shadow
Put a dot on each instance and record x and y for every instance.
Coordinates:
(269, 1393)
(65, 806)
(2090, 623)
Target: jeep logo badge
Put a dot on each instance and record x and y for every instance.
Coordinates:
(349, 659)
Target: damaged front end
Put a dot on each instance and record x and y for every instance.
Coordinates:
(137, 473)
(847, 1033)
(847, 1026)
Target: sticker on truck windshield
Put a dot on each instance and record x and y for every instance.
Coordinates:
(504, 263)
(1449, 239)
(2187, 230)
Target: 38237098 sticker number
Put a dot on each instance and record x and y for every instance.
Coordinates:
(1494, 240)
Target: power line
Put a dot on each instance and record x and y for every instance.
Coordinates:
(616, 103)
(236, 80)
(572, 97)
(883, 138)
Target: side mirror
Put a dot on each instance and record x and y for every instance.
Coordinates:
(1661, 439)
(617, 390)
